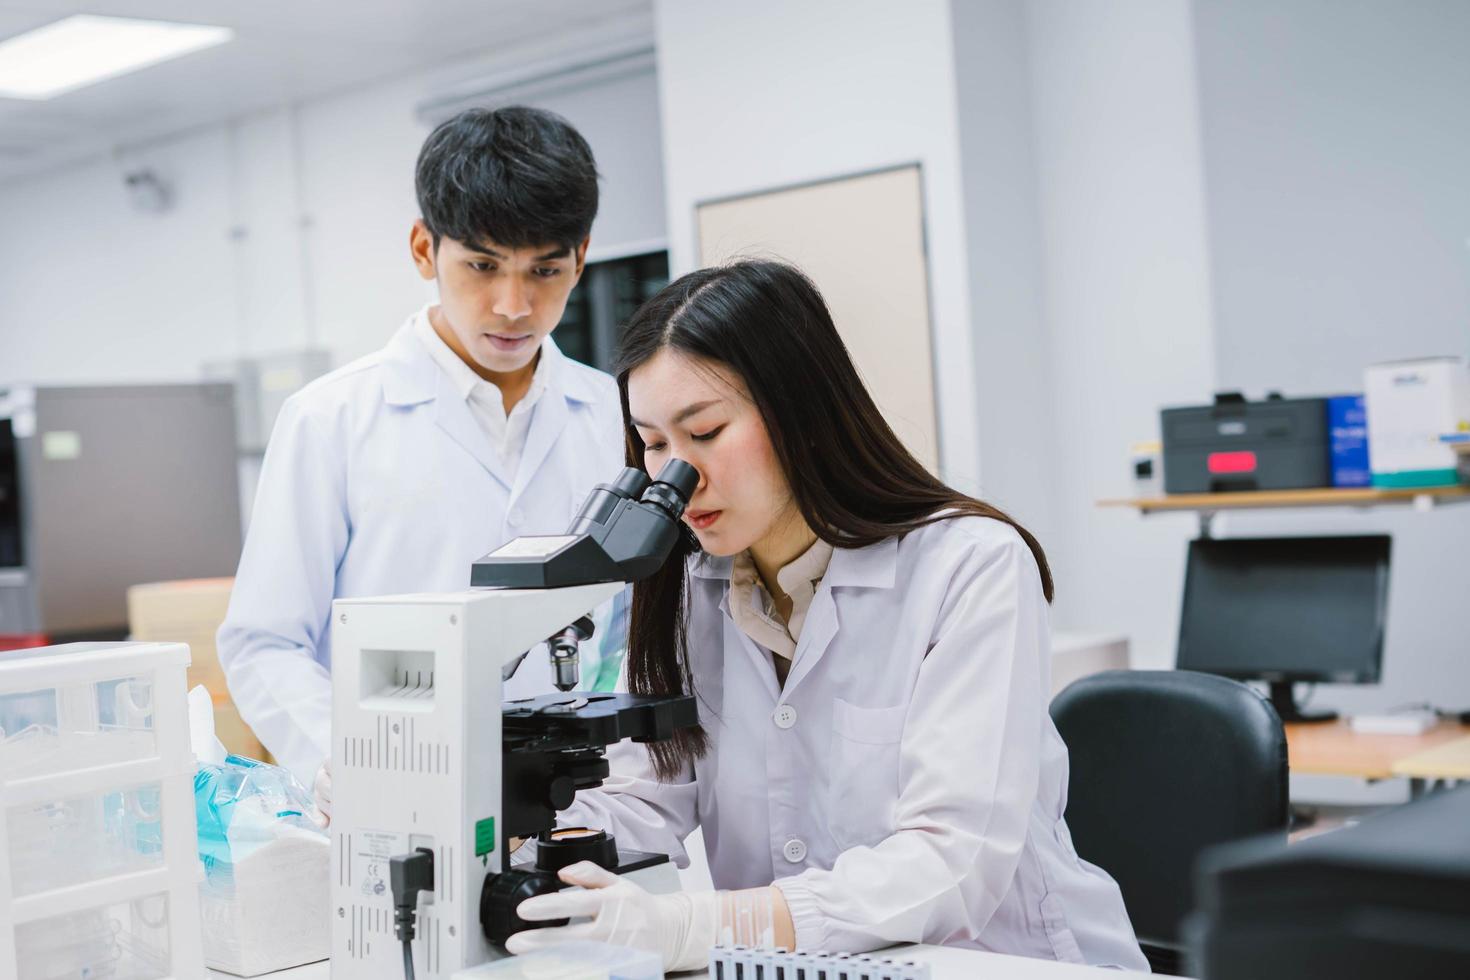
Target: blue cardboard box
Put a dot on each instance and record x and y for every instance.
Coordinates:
(1347, 437)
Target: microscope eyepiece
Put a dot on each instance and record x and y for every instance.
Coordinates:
(623, 533)
(630, 483)
(673, 487)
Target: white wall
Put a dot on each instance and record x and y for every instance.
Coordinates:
(1014, 388)
(768, 93)
(1338, 161)
(1125, 291)
(94, 290)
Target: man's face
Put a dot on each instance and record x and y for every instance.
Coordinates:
(499, 302)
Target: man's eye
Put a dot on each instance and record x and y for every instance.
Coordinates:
(548, 273)
(481, 266)
(707, 436)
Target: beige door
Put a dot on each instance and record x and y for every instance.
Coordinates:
(861, 240)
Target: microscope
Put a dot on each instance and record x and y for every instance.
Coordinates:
(432, 776)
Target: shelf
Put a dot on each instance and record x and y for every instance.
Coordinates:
(1325, 497)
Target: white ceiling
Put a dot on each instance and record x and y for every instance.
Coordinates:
(284, 51)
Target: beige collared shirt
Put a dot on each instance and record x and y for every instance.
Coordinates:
(754, 611)
(507, 433)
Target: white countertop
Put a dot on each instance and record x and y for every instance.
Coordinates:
(949, 963)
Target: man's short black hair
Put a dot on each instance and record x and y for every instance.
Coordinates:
(516, 176)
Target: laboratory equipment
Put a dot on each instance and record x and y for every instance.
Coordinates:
(742, 963)
(1234, 444)
(100, 871)
(431, 782)
(105, 487)
(1286, 609)
(1387, 897)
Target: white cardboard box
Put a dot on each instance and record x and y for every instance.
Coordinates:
(1410, 405)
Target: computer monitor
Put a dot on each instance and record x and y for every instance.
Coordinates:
(1286, 609)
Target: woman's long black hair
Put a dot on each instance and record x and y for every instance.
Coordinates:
(851, 478)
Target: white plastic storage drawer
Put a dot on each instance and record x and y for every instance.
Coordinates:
(59, 842)
(82, 706)
(126, 940)
(36, 739)
(99, 865)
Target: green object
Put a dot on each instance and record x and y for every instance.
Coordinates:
(1414, 479)
(607, 672)
(484, 836)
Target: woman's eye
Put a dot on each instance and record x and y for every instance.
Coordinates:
(707, 436)
(654, 447)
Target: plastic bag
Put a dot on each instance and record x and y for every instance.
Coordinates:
(243, 805)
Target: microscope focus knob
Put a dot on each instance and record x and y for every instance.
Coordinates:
(560, 792)
(503, 893)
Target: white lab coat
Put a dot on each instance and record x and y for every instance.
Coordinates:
(907, 784)
(377, 481)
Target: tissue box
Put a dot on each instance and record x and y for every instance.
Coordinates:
(1410, 405)
(269, 911)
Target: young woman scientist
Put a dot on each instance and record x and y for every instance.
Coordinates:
(870, 653)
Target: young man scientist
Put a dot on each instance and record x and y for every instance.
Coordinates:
(395, 472)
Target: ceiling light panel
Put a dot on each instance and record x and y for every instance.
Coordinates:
(82, 50)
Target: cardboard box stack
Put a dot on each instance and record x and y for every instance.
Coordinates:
(191, 611)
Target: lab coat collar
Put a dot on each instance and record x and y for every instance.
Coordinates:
(872, 567)
(410, 377)
(452, 414)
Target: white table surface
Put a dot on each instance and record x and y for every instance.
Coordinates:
(948, 962)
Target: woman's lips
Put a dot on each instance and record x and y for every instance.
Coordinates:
(701, 519)
(508, 343)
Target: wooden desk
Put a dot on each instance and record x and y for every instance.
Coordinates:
(1448, 760)
(1334, 749)
(1323, 497)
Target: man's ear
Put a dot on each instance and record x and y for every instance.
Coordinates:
(422, 247)
(582, 256)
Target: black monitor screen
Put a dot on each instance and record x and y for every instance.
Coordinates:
(1286, 608)
(10, 555)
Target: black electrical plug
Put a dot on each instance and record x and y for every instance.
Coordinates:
(409, 874)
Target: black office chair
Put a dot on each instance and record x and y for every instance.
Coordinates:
(1165, 763)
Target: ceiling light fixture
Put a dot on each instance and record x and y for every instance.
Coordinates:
(81, 50)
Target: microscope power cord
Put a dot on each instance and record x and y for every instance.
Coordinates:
(409, 874)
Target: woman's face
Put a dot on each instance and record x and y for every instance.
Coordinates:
(701, 412)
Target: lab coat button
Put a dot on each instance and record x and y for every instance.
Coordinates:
(516, 517)
(784, 717)
(794, 851)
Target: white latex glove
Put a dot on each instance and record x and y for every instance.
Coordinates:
(680, 927)
(321, 790)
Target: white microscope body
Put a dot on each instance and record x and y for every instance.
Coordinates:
(416, 762)
(424, 767)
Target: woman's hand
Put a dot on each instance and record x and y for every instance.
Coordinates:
(680, 928)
